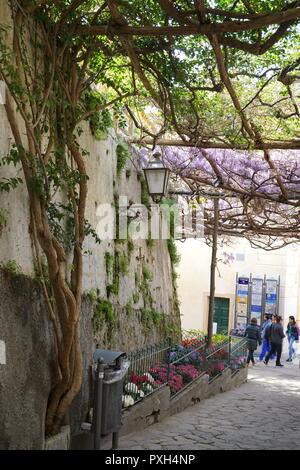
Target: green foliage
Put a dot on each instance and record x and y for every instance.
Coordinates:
(174, 256)
(109, 263)
(218, 338)
(88, 230)
(123, 265)
(61, 222)
(157, 317)
(12, 267)
(147, 274)
(135, 297)
(174, 275)
(100, 121)
(123, 154)
(104, 313)
(146, 317)
(129, 309)
(6, 184)
(172, 329)
(112, 288)
(150, 317)
(92, 294)
(44, 276)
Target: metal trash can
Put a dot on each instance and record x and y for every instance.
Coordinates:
(109, 373)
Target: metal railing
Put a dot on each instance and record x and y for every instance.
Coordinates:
(179, 365)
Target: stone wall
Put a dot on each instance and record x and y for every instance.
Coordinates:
(25, 378)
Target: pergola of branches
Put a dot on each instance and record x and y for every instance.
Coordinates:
(251, 204)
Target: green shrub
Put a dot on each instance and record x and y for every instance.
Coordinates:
(123, 154)
(135, 297)
(112, 289)
(174, 256)
(100, 121)
(156, 316)
(104, 313)
(12, 267)
(147, 274)
(146, 317)
(129, 309)
(92, 295)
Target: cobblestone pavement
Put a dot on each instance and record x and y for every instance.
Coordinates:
(262, 414)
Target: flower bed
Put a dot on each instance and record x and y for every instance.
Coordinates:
(240, 331)
(185, 363)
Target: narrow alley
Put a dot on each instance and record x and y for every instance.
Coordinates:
(262, 414)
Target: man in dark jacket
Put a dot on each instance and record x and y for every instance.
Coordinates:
(252, 334)
(275, 335)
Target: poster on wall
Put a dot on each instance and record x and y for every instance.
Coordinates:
(271, 286)
(256, 300)
(242, 309)
(257, 286)
(241, 322)
(242, 298)
(271, 296)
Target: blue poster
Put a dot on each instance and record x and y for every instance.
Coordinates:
(242, 292)
(256, 308)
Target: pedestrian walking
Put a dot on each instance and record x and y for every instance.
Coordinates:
(275, 335)
(292, 332)
(252, 334)
(265, 342)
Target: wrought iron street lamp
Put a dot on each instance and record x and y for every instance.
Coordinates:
(157, 178)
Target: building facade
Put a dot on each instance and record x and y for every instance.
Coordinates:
(238, 259)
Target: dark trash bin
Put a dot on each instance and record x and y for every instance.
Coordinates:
(108, 374)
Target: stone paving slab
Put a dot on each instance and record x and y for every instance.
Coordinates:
(262, 414)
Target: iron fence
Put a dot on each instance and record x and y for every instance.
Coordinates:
(179, 365)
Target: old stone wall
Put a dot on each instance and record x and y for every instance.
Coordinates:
(25, 377)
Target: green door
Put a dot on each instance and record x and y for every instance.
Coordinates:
(221, 314)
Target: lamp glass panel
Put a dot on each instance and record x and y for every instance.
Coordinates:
(156, 180)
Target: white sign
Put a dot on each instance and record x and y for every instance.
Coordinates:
(271, 286)
(257, 286)
(256, 299)
(215, 326)
(2, 352)
(242, 309)
(2, 92)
